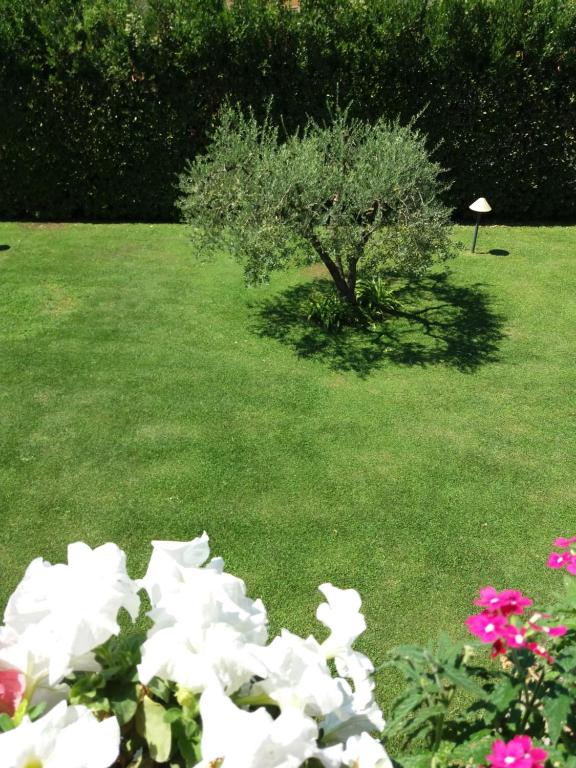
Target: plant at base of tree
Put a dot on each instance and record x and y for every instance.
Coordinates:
(375, 300)
(361, 198)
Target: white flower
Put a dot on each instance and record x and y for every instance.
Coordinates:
(365, 752)
(205, 627)
(341, 614)
(360, 751)
(253, 739)
(60, 613)
(171, 561)
(209, 597)
(181, 589)
(297, 676)
(358, 713)
(67, 737)
(198, 657)
(358, 668)
(29, 654)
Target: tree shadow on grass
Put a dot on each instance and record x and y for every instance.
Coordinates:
(438, 323)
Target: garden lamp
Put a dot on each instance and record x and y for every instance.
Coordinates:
(479, 207)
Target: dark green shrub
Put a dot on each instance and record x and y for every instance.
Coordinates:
(103, 100)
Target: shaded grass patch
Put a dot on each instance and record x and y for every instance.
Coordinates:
(437, 322)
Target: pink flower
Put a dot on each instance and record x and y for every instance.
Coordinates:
(487, 626)
(514, 636)
(558, 631)
(489, 598)
(563, 542)
(508, 601)
(571, 567)
(560, 559)
(540, 650)
(517, 753)
(12, 688)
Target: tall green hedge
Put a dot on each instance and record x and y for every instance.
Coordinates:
(101, 101)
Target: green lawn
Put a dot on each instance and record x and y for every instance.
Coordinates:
(146, 394)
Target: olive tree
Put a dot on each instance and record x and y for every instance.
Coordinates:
(362, 198)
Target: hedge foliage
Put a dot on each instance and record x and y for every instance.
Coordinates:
(102, 101)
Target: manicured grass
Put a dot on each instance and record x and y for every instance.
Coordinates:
(146, 394)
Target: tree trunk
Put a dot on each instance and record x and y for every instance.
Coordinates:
(346, 288)
(352, 275)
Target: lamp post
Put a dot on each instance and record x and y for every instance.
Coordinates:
(479, 207)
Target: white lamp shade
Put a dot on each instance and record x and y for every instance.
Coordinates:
(481, 206)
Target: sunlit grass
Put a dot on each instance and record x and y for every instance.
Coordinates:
(146, 394)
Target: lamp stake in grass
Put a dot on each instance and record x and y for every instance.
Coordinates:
(480, 206)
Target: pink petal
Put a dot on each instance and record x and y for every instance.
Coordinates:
(488, 597)
(12, 688)
(514, 601)
(556, 560)
(487, 626)
(540, 650)
(525, 742)
(558, 631)
(563, 542)
(498, 755)
(514, 636)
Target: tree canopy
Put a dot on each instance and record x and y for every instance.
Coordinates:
(362, 198)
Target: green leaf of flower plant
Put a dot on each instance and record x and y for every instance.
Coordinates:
(152, 726)
(160, 688)
(504, 694)
(124, 709)
(173, 714)
(475, 751)
(422, 760)
(408, 705)
(6, 723)
(556, 710)
(462, 680)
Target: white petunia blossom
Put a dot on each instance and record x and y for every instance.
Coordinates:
(213, 597)
(362, 751)
(297, 676)
(358, 712)
(365, 752)
(357, 667)
(67, 737)
(93, 586)
(198, 657)
(171, 561)
(29, 654)
(205, 628)
(253, 739)
(60, 613)
(341, 614)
